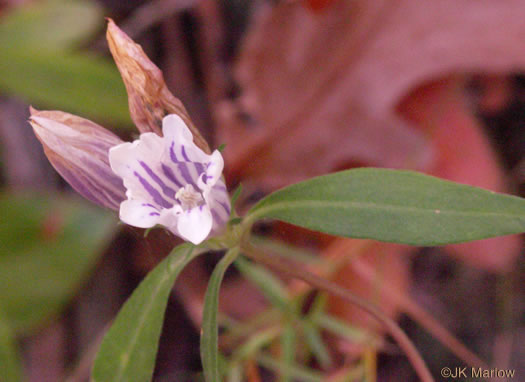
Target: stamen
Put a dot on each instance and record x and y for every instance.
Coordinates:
(188, 197)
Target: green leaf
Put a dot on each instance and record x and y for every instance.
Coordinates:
(74, 82)
(345, 330)
(288, 344)
(235, 373)
(50, 25)
(36, 63)
(285, 250)
(315, 342)
(255, 342)
(271, 287)
(234, 198)
(127, 353)
(209, 345)
(297, 372)
(394, 206)
(48, 246)
(10, 366)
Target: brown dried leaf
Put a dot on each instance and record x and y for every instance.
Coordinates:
(291, 71)
(149, 97)
(387, 260)
(311, 80)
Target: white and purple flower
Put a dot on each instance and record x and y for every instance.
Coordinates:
(172, 182)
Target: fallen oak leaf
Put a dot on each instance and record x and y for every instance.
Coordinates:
(302, 72)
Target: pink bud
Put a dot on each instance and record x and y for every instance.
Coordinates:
(78, 149)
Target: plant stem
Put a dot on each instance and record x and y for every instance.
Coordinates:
(299, 272)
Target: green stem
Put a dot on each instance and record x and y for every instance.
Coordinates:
(297, 271)
(209, 345)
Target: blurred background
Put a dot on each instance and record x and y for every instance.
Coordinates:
(295, 89)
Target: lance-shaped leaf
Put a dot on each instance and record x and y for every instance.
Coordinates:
(149, 98)
(394, 206)
(78, 149)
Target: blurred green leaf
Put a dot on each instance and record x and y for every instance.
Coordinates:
(74, 82)
(128, 350)
(10, 366)
(286, 250)
(296, 371)
(394, 206)
(233, 201)
(209, 345)
(316, 344)
(254, 344)
(50, 25)
(271, 287)
(235, 373)
(288, 345)
(48, 245)
(38, 65)
(344, 329)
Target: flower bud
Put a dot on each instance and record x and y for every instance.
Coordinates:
(78, 149)
(148, 96)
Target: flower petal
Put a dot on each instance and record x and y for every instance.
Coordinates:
(177, 133)
(139, 165)
(219, 203)
(213, 171)
(139, 214)
(150, 146)
(195, 224)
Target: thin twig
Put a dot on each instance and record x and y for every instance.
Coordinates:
(425, 319)
(297, 271)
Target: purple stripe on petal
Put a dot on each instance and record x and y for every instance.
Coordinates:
(91, 187)
(219, 210)
(157, 198)
(117, 198)
(84, 186)
(219, 187)
(199, 167)
(169, 192)
(109, 183)
(184, 155)
(217, 218)
(104, 184)
(148, 205)
(226, 207)
(170, 175)
(154, 214)
(172, 154)
(184, 171)
(79, 185)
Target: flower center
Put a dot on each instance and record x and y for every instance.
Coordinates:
(188, 197)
